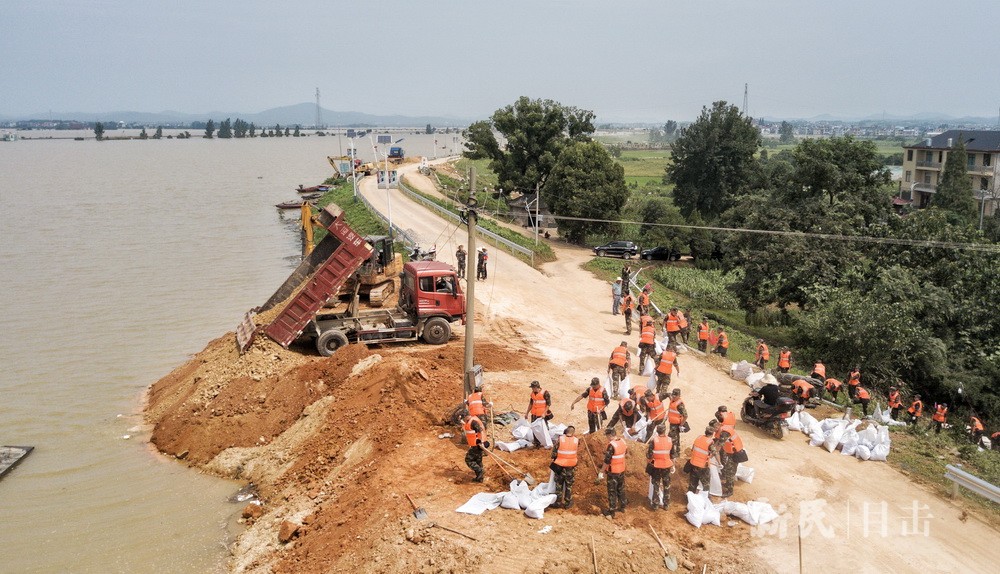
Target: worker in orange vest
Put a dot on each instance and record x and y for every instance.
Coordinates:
(975, 428)
(861, 395)
(916, 409)
(677, 417)
(763, 354)
(475, 438)
(683, 318)
(703, 333)
(785, 360)
(722, 347)
(618, 366)
(659, 468)
(853, 380)
(539, 405)
(802, 390)
(672, 326)
(628, 304)
(697, 465)
(895, 403)
(477, 405)
(995, 441)
(834, 386)
(628, 414)
(655, 409)
(614, 466)
(647, 340)
(643, 306)
(597, 401)
(724, 419)
(819, 371)
(940, 416)
(666, 364)
(564, 466)
(731, 454)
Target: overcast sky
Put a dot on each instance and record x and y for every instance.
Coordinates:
(627, 60)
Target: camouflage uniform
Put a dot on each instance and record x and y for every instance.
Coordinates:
(474, 460)
(660, 479)
(564, 486)
(616, 485)
(617, 374)
(662, 382)
(728, 474)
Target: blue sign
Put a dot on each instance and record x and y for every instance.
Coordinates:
(384, 139)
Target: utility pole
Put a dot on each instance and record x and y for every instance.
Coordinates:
(470, 288)
(538, 199)
(319, 114)
(746, 98)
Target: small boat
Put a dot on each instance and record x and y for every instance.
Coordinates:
(11, 455)
(313, 189)
(312, 196)
(291, 204)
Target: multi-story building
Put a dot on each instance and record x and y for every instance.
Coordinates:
(923, 166)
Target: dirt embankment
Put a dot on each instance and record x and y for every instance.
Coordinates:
(334, 444)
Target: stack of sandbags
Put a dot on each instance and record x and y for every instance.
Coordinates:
(701, 510)
(873, 443)
(753, 513)
(740, 371)
(519, 497)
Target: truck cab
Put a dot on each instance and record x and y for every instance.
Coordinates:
(396, 153)
(431, 289)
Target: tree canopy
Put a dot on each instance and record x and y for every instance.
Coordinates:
(585, 182)
(954, 193)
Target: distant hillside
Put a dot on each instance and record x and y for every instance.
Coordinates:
(301, 114)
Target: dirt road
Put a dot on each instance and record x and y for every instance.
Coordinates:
(855, 516)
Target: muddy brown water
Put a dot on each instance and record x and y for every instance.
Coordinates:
(118, 260)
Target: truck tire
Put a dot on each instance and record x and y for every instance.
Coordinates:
(437, 331)
(329, 341)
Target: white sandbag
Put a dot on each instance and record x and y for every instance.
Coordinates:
(537, 507)
(868, 437)
(794, 422)
(744, 473)
(661, 345)
(557, 430)
(509, 501)
(712, 515)
(833, 437)
(830, 424)
(761, 512)
(739, 510)
(863, 452)
(545, 488)
(808, 421)
(648, 366)
(541, 433)
(649, 493)
(714, 481)
(849, 442)
(754, 379)
(651, 382)
(520, 490)
(480, 503)
(512, 446)
(740, 371)
(817, 438)
(640, 430)
(880, 452)
(522, 429)
(701, 510)
(883, 436)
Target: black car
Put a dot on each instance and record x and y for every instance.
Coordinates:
(626, 249)
(661, 253)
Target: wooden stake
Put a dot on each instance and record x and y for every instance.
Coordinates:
(800, 549)
(593, 552)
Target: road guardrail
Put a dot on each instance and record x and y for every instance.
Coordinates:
(977, 485)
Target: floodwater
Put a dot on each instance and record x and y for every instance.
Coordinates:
(119, 260)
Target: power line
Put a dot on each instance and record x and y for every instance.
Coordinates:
(982, 247)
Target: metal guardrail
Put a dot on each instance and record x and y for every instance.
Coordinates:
(497, 240)
(397, 230)
(977, 485)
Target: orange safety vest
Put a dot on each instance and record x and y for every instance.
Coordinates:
(734, 444)
(763, 352)
(666, 365)
(643, 319)
(644, 299)
(855, 379)
(863, 393)
(619, 356)
(977, 425)
(475, 402)
(470, 435)
(724, 427)
(940, 414)
(833, 385)
(820, 369)
(729, 419)
(626, 411)
(682, 321)
(627, 303)
(699, 451)
(785, 359)
(674, 416)
(703, 332)
(538, 405)
(801, 388)
(724, 340)
(566, 454)
(655, 410)
(671, 324)
(618, 456)
(661, 451)
(894, 402)
(916, 408)
(648, 334)
(638, 391)
(595, 400)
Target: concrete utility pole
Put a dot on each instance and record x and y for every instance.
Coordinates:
(470, 289)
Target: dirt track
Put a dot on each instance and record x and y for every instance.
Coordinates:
(336, 451)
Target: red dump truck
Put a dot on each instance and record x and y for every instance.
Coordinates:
(430, 299)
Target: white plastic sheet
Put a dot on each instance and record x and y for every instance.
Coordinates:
(480, 503)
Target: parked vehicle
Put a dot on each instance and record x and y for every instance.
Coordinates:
(625, 249)
(770, 418)
(661, 254)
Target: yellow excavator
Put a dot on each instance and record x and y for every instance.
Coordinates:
(339, 164)
(376, 280)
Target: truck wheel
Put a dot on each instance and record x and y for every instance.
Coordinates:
(328, 342)
(437, 331)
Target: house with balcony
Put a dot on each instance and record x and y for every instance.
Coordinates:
(923, 166)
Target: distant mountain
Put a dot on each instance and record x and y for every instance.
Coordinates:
(302, 114)
(926, 117)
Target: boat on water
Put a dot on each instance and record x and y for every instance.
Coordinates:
(312, 196)
(291, 204)
(11, 455)
(313, 189)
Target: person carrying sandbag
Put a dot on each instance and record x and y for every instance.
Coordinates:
(659, 467)
(614, 466)
(475, 438)
(697, 464)
(564, 457)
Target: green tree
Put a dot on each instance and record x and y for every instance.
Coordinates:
(159, 133)
(226, 129)
(670, 130)
(209, 129)
(296, 133)
(535, 131)
(277, 130)
(143, 135)
(837, 167)
(253, 130)
(786, 133)
(660, 211)
(99, 131)
(585, 182)
(713, 161)
(429, 129)
(954, 193)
